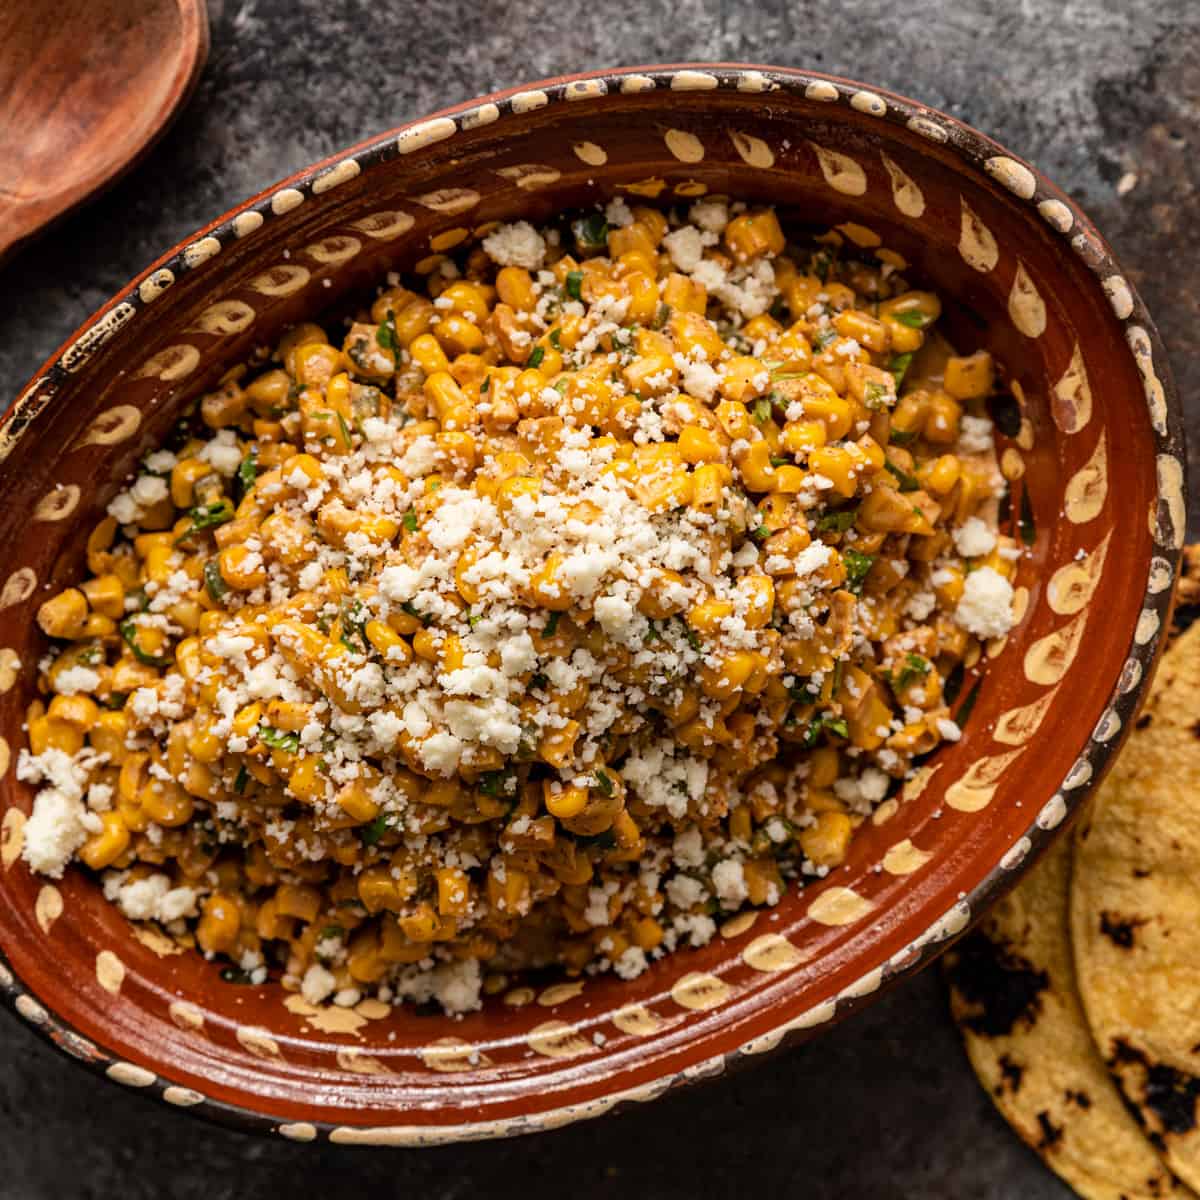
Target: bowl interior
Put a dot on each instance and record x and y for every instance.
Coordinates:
(1089, 423)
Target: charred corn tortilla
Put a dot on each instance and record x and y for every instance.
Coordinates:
(1014, 998)
(1135, 913)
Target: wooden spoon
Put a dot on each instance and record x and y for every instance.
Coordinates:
(86, 87)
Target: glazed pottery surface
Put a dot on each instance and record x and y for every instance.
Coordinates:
(1092, 445)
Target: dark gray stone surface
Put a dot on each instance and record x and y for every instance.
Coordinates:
(1101, 94)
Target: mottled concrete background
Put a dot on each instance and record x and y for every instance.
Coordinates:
(1104, 95)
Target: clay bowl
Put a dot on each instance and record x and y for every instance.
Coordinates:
(1094, 447)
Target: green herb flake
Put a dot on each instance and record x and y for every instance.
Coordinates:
(498, 783)
(591, 233)
(823, 340)
(876, 396)
(837, 522)
(858, 567)
(330, 931)
(485, 385)
(661, 317)
(243, 777)
(555, 338)
(760, 534)
(574, 284)
(214, 584)
(551, 627)
(247, 473)
(603, 782)
(277, 739)
(902, 437)
(914, 318)
(409, 608)
(915, 667)
(535, 358)
(235, 975)
(409, 521)
(908, 483)
(129, 631)
(206, 516)
(761, 412)
(899, 367)
(116, 700)
(371, 833)
(780, 460)
(385, 335)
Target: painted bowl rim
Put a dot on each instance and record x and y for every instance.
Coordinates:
(985, 158)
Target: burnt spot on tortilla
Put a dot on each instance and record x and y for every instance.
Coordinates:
(1119, 930)
(1143, 721)
(1051, 1133)
(1011, 1074)
(1001, 987)
(1141, 872)
(1170, 1094)
(1079, 1099)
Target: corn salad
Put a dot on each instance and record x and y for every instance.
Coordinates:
(593, 583)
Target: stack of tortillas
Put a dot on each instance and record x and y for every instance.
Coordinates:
(1078, 997)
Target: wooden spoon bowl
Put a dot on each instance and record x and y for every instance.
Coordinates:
(88, 87)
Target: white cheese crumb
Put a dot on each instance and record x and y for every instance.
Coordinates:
(985, 608)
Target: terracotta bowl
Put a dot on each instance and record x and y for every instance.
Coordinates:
(1093, 446)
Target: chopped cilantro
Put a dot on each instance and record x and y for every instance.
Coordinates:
(330, 931)
(779, 460)
(498, 783)
(116, 700)
(804, 691)
(603, 782)
(277, 739)
(760, 534)
(858, 567)
(915, 667)
(207, 516)
(914, 318)
(823, 340)
(243, 777)
(899, 366)
(409, 521)
(371, 833)
(822, 264)
(535, 358)
(385, 335)
(247, 473)
(875, 397)
(344, 428)
(213, 583)
(574, 285)
(555, 338)
(837, 522)
(762, 410)
(908, 483)
(129, 631)
(662, 316)
(903, 437)
(487, 383)
(551, 624)
(693, 638)
(821, 723)
(591, 233)
(473, 619)
(409, 608)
